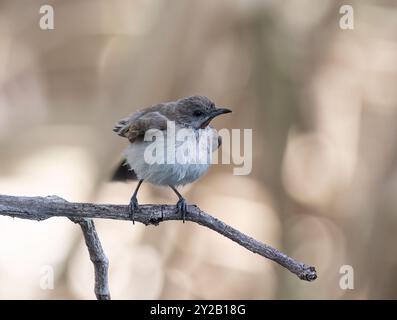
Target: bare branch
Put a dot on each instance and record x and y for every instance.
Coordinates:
(97, 256)
(39, 208)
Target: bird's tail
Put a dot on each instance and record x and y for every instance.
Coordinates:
(123, 173)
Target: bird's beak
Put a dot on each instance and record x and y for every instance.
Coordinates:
(217, 112)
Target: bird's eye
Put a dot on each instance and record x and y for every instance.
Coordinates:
(198, 113)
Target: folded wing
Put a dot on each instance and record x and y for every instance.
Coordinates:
(136, 125)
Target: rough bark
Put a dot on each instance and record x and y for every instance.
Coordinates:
(42, 208)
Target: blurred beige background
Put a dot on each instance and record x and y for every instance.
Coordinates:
(322, 103)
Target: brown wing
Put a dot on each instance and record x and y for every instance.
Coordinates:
(136, 125)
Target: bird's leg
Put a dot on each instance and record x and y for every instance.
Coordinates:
(181, 204)
(133, 206)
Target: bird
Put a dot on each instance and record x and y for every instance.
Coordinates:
(191, 114)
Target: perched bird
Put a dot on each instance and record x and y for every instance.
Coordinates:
(192, 114)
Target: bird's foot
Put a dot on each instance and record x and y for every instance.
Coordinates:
(133, 207)
(182, 208)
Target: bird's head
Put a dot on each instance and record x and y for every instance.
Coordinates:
(197, 111)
